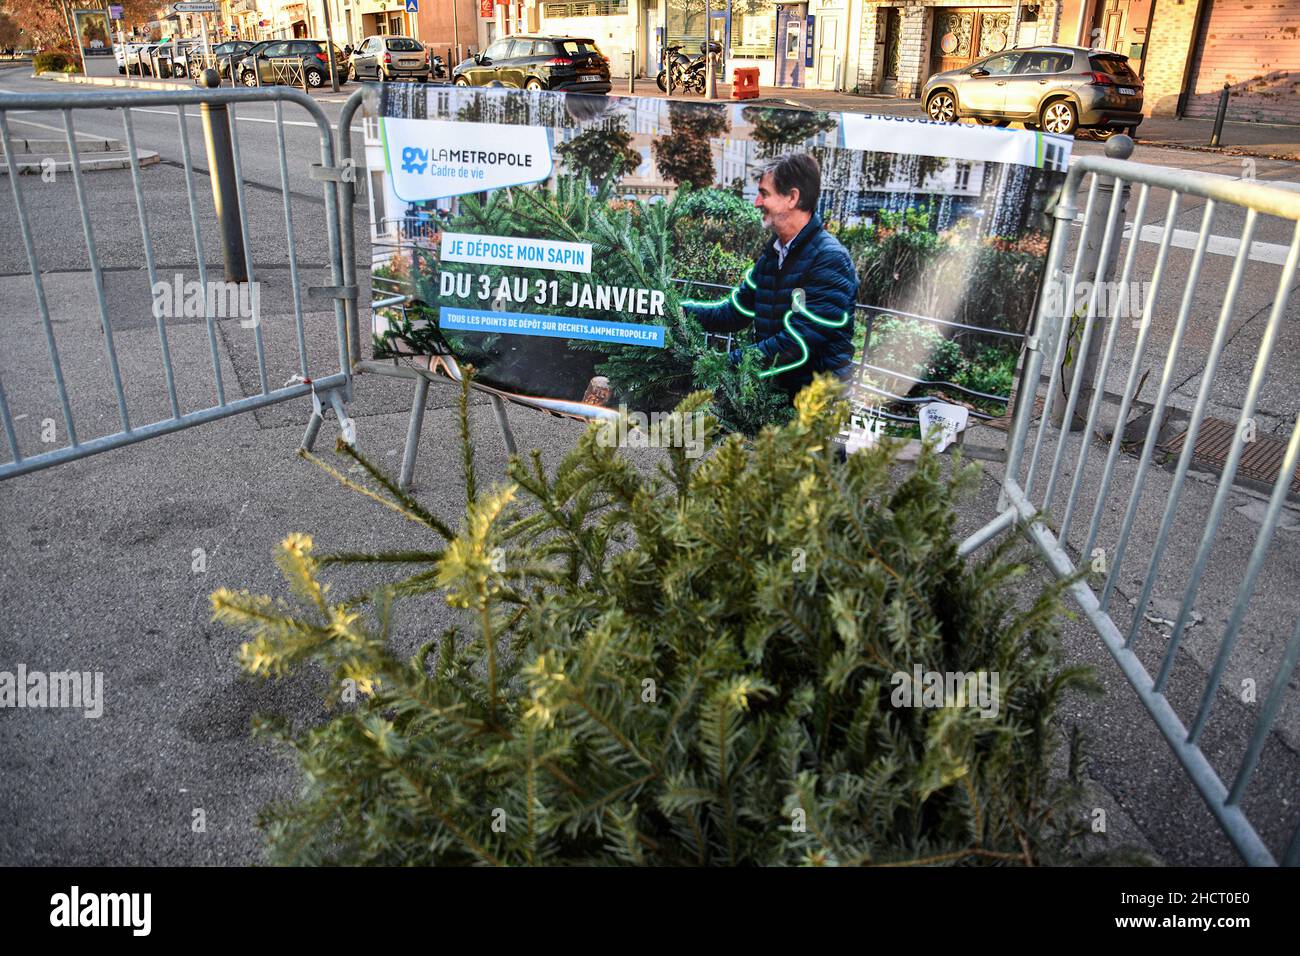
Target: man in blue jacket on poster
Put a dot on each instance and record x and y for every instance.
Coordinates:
(800, 294)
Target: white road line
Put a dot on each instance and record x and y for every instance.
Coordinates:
(57, 129)
(1270, 252)
(243, 119)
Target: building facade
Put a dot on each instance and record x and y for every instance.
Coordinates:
(1184, 50)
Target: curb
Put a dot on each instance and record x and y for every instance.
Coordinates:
(126, 81)
(117, 160)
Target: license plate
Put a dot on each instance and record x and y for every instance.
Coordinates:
(1127, 91)
(588, 79)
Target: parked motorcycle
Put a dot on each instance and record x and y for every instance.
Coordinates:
(687, 72)
(437, 68)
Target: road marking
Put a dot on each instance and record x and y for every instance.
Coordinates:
(243, 119)
(57, 129)
(1269, 252)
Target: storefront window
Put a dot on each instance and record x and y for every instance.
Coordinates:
(753, 27)
(686, 18)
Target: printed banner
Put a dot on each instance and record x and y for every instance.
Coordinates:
(93, 32)
(588, 254)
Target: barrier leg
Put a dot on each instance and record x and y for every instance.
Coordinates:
(413, 432)
(503, 423)
(313, 429)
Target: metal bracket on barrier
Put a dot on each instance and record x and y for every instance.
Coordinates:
(332, 174)
(346, 292)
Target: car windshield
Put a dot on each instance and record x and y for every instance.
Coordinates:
(1115, 66)
(575, 47)
(404, 45)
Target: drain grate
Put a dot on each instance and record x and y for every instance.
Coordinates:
(1260, 461)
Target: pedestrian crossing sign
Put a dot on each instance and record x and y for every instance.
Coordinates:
(412, 6)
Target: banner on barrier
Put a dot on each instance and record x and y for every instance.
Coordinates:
(587, 253)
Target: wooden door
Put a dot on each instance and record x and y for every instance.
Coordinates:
(963, 36)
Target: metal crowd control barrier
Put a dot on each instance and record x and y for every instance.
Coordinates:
(388, 298)
(331, 388)
(1048, 467)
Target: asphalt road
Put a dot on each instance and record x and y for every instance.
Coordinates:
(97, 569)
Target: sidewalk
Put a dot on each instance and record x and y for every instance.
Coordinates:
(1239, 139)
(155, 83)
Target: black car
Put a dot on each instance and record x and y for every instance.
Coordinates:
(277, 55)
(570, 64)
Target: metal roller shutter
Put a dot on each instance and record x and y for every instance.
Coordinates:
(1254, 45)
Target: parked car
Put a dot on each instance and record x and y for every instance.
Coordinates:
(1056, 88)
(538, 63)
(174, 58)
(130, 55)
(224, 54)
(389, 58)
(312, 54)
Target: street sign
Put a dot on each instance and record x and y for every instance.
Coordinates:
(114, 12)
(486, 9)
(196, 6)
(412, 6)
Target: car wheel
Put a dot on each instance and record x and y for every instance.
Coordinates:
(462, 81)
(534, 84)
(990, 121)
(248, 78)
(663, 85)
(942, 108)
(315, 78)
(1060, 117)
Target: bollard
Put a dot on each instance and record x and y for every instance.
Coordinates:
(1219, 117)
(631, 71)
(225, 189)
(302, 77)
(710, 77)
(1091, 269)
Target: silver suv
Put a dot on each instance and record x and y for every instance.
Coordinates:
(1057, 88)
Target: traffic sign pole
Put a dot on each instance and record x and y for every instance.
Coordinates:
(329, 48)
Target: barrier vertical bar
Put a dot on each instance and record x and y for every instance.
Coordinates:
(24, 227)
(255, 295)
(1257, 376)
(150, 265)
(288, 229)
(1130, 386)
(96, 271)
(1281, 486)
(1194, 425)
(198, 251)
(1103, 371)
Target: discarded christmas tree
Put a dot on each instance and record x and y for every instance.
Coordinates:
(699, 667)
